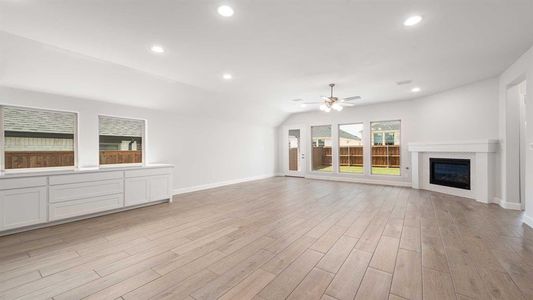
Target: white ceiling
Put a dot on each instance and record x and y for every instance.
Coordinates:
(280, 50)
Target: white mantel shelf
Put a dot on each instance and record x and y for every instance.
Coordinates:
(482, 166)
(481, 146)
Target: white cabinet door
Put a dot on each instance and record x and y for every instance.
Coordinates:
(159, 187)
(22, 207)
(137, 191)
(141, 190)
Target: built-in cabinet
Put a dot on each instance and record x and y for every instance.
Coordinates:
(32, 200)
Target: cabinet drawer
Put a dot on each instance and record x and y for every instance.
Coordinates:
(22, 207)
(148, 172)
(82, 207)
(76, 178)
(18, 183)
(74, 191)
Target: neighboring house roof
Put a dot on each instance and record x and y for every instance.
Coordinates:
(325, 131)
(386, 126)
(120, 126)
(18, 119)
(36, 120)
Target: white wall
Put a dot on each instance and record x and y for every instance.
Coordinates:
(521, 70)
(204, 151)
(465, 113)
(31, 65)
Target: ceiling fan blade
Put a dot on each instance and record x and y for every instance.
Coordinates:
(352, 98)
(347, 104)
(318, 102)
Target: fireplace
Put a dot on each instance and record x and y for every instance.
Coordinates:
(450, 172)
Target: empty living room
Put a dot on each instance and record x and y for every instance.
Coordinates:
(274, 149)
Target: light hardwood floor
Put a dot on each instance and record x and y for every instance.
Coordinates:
(280, 238)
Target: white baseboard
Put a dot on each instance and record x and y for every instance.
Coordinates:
(528, 220)
(507, 205)
(360, 180)
(219, 184)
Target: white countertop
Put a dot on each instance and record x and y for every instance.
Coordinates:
(49, 172)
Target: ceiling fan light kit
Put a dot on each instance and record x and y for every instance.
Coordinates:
(333, 103)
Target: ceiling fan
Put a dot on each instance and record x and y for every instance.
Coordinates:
(331, 102)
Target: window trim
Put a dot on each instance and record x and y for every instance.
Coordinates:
(143, 144)
(383, 144)
(339, 149)
(30, 170)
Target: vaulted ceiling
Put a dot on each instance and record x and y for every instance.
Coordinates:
(277, 50)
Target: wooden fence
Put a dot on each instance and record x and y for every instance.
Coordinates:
(386, 156)
(382, 156)
(120, 157)
(47, 159)
(351, 156)
(38, 159)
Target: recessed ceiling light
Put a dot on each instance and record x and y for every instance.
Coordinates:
(227, 76)
(303, 105)
(412, 21)
(415, 90)
(403, 82)
(225, 11)
(157, 49)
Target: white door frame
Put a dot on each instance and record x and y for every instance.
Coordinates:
(515, 128)
(302, 155)
(522, 143)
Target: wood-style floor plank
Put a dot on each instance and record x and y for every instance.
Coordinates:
(313, 285)
(279, 238)
(407, 281)
(437, 285)
(375, 285)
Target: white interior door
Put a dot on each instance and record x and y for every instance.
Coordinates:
(294, 161)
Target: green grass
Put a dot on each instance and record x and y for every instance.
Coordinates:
(351, 169)
(386, 171)
(359, 170)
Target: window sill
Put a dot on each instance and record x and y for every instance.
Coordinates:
(38, 170)
(112, 166)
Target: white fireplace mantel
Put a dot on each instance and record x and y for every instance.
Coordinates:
(482, 166)
(476, 146)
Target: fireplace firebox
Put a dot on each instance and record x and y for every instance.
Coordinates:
(450, 172)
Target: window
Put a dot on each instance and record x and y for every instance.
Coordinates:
(351, 148)
(321, 142)
(36, 138)
(121, 140)
(294, 149)
(377, 138)
(386, 147)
